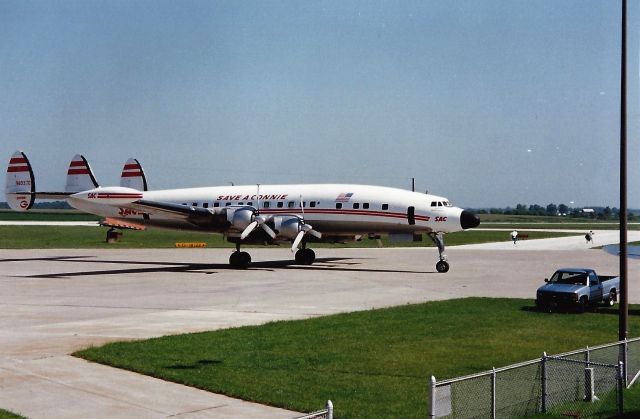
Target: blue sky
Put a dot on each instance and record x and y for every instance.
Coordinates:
(490, 103)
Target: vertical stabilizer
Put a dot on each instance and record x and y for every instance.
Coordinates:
(20, 186)
(79, 176)
(133, 175)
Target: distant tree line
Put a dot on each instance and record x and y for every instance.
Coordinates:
(48, 205)
(561, 210)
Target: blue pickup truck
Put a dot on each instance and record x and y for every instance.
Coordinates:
(577, 288)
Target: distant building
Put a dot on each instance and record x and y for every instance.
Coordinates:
(588, 210)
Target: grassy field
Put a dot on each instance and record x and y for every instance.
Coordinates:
(371, 363)
(61, 237)
(51, 215)
(4, 414)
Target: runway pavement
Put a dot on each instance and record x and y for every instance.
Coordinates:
(54, 302)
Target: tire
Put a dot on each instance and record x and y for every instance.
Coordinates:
(309, 257)
(239, 260)
(442, 266)
(613, 298)
(583, 304)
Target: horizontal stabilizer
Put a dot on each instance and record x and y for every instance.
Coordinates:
(20, 184)
(79, 176)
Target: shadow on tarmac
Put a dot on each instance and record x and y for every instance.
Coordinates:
(321, 264)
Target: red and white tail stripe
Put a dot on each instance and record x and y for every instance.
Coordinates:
(79, 176)
(133, 175)
(20, 185)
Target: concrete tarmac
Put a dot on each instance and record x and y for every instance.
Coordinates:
(54, 302)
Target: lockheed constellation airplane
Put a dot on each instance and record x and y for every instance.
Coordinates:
(265, 214)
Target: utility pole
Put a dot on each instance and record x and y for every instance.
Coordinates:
(623, 326)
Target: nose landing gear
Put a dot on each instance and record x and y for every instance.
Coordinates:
(438, 238)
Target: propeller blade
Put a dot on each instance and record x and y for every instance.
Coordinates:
(297, 241)
(315, 233)
(248, 230)
(268, 230)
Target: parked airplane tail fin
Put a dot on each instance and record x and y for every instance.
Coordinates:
(79, 176)
(133, 175)
(20, 184)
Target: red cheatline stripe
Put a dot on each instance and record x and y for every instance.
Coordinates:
(130, 166)
(17, 169)
(346, 212)
(15, 160)
(131, 174)
(77, 163)
(78, 172)
(115, 195)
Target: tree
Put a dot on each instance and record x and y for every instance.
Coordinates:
(552, 209)
(563, 209)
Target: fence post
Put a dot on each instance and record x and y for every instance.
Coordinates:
(493, 393)
(329, 409)
(543, 383)
(587, 357)
(432, 398)
(625, 360)
(589, 388)
(620, 398)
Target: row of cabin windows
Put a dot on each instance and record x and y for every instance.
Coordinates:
(292, 204)
(265, 204)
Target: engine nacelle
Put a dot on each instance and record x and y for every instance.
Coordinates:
(287, 226)
(241, 217)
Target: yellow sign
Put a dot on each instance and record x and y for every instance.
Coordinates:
(191, 244)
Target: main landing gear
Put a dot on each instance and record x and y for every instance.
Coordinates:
(242, 260)
(238, 259)
(438, 238)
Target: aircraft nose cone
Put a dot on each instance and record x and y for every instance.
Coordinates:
(469, 220)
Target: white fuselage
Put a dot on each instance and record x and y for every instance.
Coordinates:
(335, 209)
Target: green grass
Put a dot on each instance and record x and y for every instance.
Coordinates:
(5, 414)
(63, 237)
(51, 215)
(370, 364)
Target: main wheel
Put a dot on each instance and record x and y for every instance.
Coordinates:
(613, 297)
(442, 266)
(239, 260)
(309, 257)
(305, 256)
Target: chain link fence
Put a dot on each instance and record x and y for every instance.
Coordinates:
(583, 383)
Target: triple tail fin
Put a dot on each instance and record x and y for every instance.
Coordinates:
(20, 185)
(79, 176)
(133, 176)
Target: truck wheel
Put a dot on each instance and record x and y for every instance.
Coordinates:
(583, 304)
(613, 298)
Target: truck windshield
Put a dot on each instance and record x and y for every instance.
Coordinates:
(571, 278)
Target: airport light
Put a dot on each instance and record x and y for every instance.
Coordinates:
(623, 324)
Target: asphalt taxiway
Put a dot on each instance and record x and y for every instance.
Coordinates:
(54, 302)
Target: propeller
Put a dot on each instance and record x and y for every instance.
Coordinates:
(304, 228)
(258, 220)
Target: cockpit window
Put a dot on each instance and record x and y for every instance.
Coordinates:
(439, 203)
(434, 203)
(447, 204)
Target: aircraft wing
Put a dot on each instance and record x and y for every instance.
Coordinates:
(195, 215)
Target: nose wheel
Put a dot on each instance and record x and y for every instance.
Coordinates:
(442, 266)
